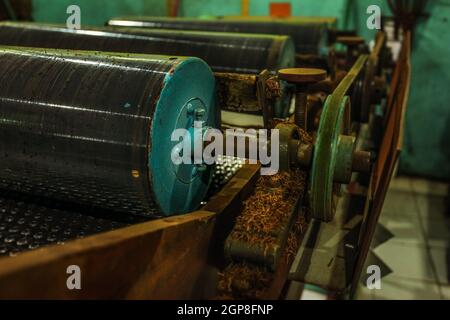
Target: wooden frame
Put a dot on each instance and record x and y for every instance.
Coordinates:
(170, 258)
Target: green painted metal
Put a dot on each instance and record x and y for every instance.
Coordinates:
(188, 95)
(333, 123)
(322, 173)
(287, 132)
(344, 158)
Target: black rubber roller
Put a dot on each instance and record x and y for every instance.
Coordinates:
(95, 129)
(224, 52)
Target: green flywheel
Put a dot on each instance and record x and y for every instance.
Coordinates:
(330, 159)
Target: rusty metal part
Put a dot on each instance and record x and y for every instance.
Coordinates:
(288, 132)
(302, 75)
(304, 155)
(315, 105)
(273, 87)
(253, 94)
(302, 78)
(237, 92)
(361, 161)
(301, 109)
(294, 152)
(262, 90)
(275, 206)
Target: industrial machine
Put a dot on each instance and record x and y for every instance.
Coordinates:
(226, 53)
(309, 37)
(87, 144)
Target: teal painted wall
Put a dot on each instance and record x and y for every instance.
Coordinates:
(95, 12)
(426, 149)
(195, 8)
(356, 16)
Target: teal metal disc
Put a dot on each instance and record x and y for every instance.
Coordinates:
(188, 95)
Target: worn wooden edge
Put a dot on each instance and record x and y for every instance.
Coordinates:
(142, 261)
(46, 254)
(146, 260)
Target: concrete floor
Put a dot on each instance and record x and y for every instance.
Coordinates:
(416, 213)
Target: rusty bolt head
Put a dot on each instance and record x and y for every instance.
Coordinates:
(302, 75)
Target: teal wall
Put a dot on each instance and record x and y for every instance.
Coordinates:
(427, 147)
(95, 12)
(426, 150)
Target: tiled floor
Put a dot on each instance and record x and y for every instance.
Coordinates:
(415, 212)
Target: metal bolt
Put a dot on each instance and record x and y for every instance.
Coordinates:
(190, 108)
(199, 113)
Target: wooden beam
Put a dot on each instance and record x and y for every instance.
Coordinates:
(168, 258)
(147, 260)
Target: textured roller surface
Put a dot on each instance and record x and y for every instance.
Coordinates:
(28, 222)
(224, 52)
(85, 142)
(309, 38)
(95, 130)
